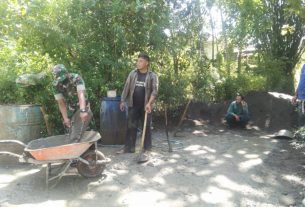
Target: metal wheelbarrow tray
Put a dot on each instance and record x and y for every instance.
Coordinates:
(61, 151)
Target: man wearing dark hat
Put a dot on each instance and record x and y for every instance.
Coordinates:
(140, 92)
(70, 94)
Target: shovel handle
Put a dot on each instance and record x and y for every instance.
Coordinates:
(144, 131)
(170, 149)
(81, 132)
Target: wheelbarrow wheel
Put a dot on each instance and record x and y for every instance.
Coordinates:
(93, 169)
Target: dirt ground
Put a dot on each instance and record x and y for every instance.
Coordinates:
(210, 166)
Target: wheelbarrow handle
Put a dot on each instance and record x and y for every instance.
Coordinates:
(10, 154)
(12, 141)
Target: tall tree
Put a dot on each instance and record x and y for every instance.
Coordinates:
(261, 23)
(274, 44)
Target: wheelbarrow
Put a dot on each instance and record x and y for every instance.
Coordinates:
(60, 152)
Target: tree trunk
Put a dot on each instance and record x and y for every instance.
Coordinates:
(176, 65)
(239, 60)
(213, 35)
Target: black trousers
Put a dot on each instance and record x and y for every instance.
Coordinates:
(136, 117)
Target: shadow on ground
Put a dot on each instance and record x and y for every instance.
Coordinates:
(207, 168)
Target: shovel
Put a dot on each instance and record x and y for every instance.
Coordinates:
(78, 126)
(182, 117)
(170, 149)
(142, 157)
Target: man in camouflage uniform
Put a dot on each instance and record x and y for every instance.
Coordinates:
(70, 94)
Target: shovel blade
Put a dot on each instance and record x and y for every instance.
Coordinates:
(143, 157)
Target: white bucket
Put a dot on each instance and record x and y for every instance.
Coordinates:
(111, 93)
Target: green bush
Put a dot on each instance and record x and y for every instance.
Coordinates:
(242, 84)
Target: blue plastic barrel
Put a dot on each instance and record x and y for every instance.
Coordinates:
(113, 122)
(20, 122)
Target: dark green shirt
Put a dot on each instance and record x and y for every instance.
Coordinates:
(238, 109)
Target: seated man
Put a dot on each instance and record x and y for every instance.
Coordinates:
(237, 114)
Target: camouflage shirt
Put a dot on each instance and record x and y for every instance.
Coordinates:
(67, 89)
